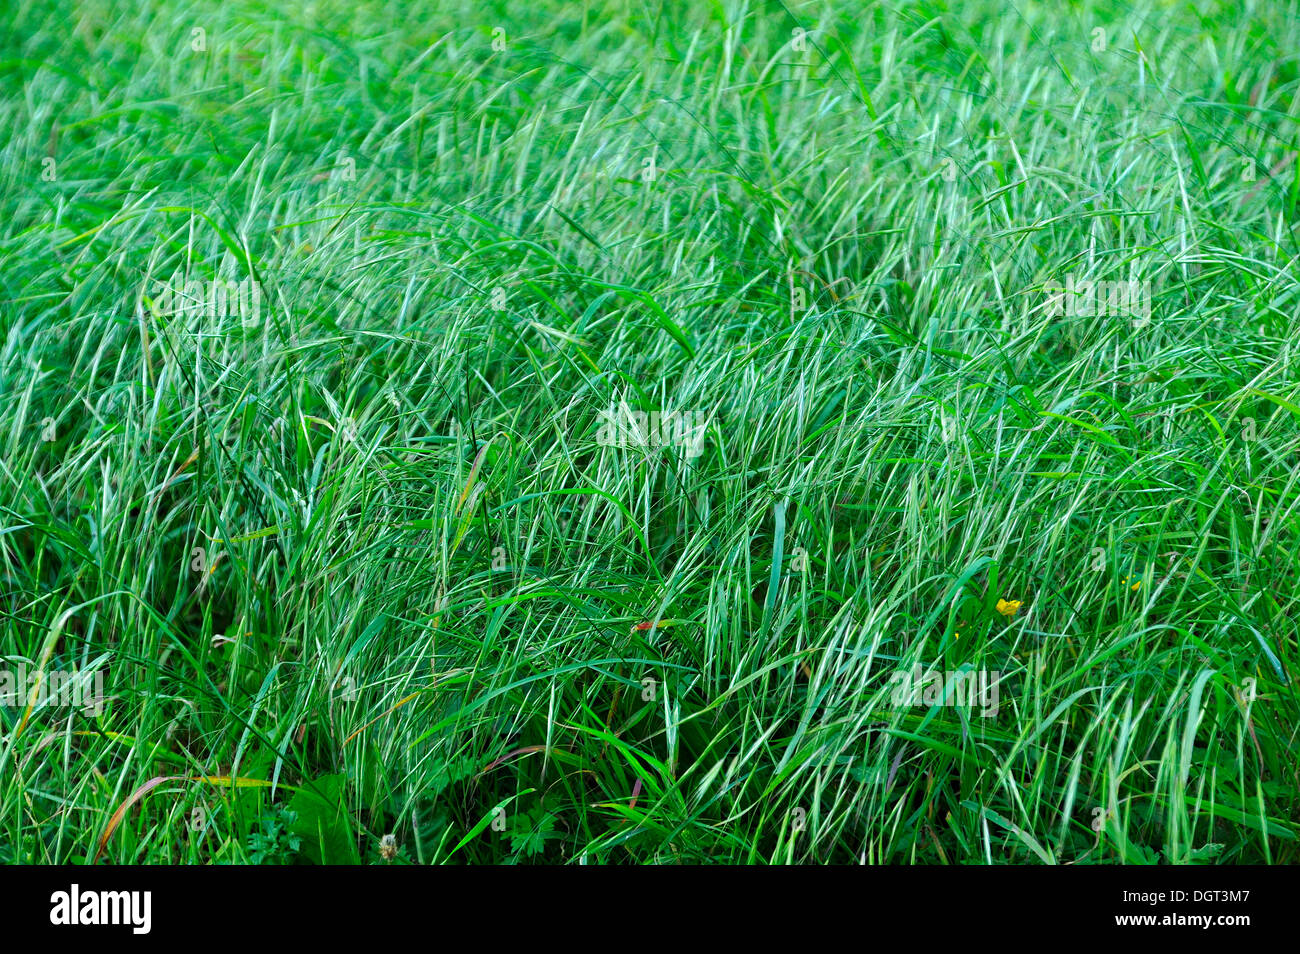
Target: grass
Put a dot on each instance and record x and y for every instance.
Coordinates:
(361, 561)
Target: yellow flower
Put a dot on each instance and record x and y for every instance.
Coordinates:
(1008, 607)
(1134, 587)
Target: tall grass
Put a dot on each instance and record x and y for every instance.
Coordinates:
(368, 551)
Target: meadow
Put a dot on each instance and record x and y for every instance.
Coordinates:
(726, 432)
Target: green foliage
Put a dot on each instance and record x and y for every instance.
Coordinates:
(318, 822)
(431, 530)
(272, 842)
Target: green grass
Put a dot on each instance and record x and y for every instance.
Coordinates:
(367, 550)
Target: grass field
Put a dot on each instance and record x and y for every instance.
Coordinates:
(618, 432)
